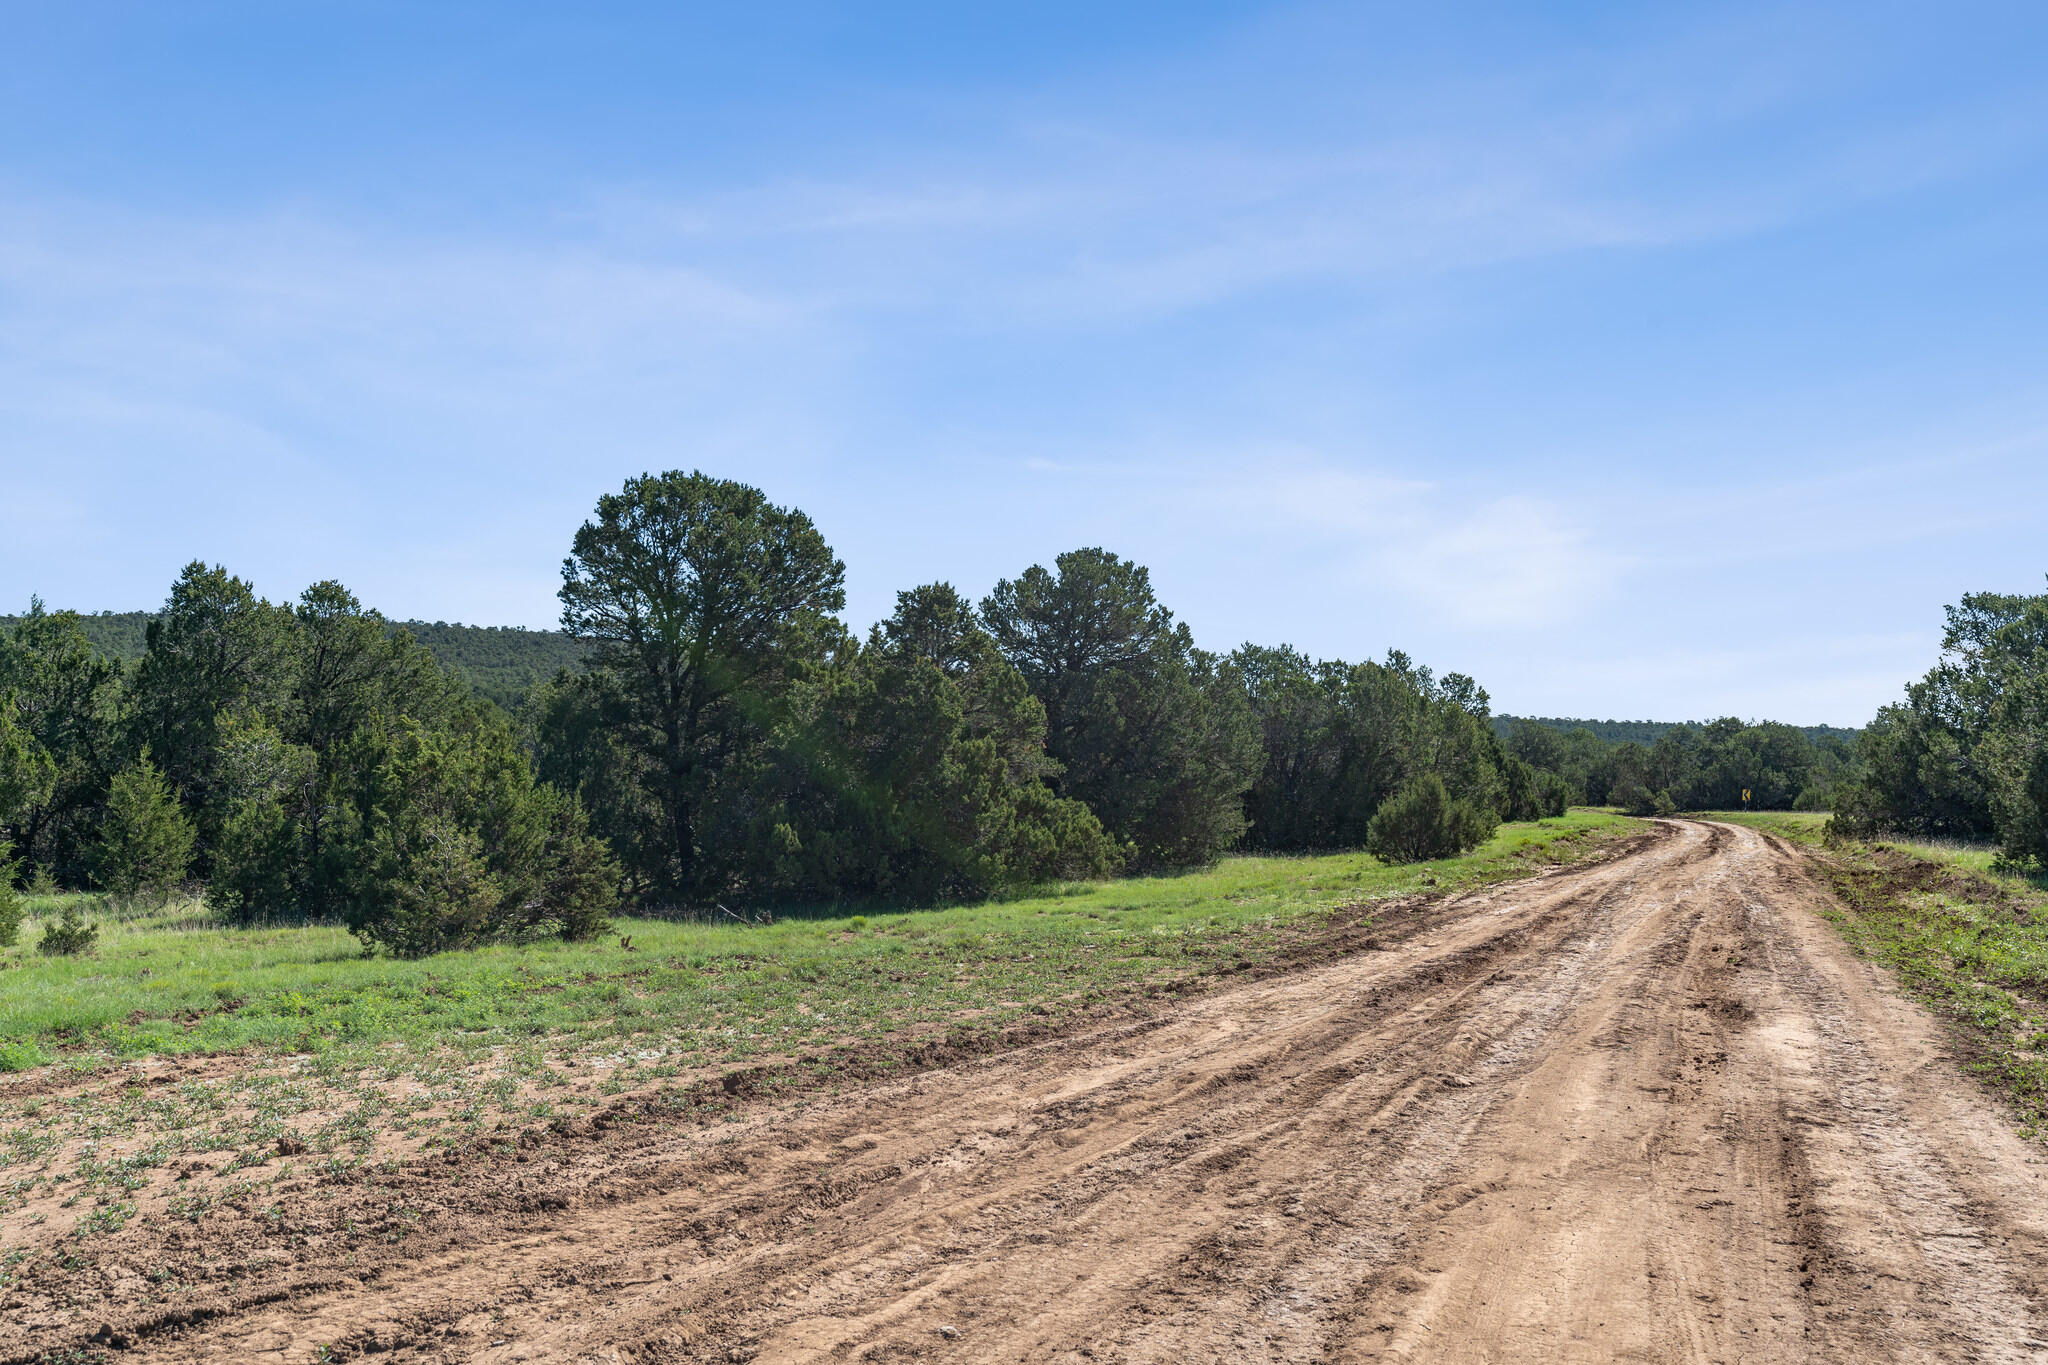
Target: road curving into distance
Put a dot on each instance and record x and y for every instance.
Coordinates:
(1645, 1110)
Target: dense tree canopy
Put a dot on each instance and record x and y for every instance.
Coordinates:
(60, 717)
(261, 748)
(1340, 739)
(1965, 754)
(1690, 766)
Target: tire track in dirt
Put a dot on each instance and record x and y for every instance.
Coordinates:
(1646, 1110)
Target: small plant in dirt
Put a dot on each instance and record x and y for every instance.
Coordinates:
(1423, 821)
(69, 936)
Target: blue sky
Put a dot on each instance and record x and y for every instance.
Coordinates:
(1640, 360)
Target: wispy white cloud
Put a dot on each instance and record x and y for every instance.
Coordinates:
(1518, 562)
(1510, 563)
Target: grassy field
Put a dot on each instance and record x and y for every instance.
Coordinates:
(340, 1060)
(172, 984)
(1968, 938)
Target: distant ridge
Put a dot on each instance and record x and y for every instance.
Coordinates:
(505, 664)
(502, 663)
(1648, 731)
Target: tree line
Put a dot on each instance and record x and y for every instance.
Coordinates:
(1648, 732)
(302, 761)
(728, 740)
(1965, 754)
(1694, 767)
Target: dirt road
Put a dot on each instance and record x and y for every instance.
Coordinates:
(1647, 1111)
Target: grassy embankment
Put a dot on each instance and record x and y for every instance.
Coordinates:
(355, 1061)
(172, 984)
(1968, 938)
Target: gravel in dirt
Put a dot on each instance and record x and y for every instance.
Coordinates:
(1645, 1110)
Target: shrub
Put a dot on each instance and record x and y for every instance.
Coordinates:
(580, 883)
(436, 893)
(1556, 795)
(1422, 821)
(1637, 799)
(145, 841)
(69, 936)
(256, 865)
(1521, 790)
(12, 907)
(460, 847)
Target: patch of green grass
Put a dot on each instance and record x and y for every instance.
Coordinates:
(1800, 826)
(168, 983)
(1967, 936)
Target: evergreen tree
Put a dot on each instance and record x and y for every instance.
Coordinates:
(66, 699)
(2015, 758)
(28, 775)
(702, 603)
(145, 842)
(1953, 758)
(454, 844)
(1151, 734)
(914, 768)
(579, 725)
(216, 650)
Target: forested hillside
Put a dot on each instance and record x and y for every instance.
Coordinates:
(503, 663)
(117, 635)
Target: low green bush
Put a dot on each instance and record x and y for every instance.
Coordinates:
(69, 936)
(1423, 821)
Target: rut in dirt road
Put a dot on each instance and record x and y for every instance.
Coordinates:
(1649, 1110)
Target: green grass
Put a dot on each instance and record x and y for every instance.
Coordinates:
(167, 984)
(350, 1063)
(1965, 935)
(1800, 826)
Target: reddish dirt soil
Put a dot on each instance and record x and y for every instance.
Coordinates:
(1646, 1110)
